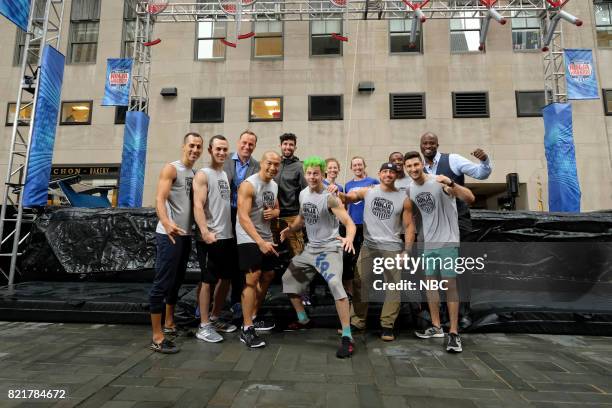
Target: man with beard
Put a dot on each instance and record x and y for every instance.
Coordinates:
(173, 238)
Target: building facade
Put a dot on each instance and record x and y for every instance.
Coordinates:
(370, 96)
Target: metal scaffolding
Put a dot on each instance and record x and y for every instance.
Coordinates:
(44, 28)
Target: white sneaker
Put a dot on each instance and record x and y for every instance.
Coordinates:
(208, 333)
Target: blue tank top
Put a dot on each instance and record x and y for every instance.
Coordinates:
(355, 210)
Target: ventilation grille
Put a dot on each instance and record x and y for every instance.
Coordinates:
(407, 106)
(470, 104)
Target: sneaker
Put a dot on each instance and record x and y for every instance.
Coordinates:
(454, 343)
(306, 300)
(387, 334)
(223, 326)
(165, 347)
(297, 325)
(262, 324)
(251, 339)
(208, 333)
(433, 331)
(346, 348)
(197, 312)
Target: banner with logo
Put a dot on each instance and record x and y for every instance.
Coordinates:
(17, 11)
(117, 88)
(44, 127)
(133, 159)
(563, 187)
(580, 74)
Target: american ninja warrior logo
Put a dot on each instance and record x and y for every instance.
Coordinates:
(310, 213)
(580, 70)
(382, 208)
(268, 199)
(425, 202)
(119, 77)
(224, 189)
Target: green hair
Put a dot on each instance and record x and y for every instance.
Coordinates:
(315, 161)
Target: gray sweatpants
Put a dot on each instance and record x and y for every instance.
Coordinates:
(303, 267)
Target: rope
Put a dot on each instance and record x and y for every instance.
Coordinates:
(350, 115)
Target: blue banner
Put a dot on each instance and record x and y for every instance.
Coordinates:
(563, 187)
(17, 11)
(133, 160)
(44, 127)
(580, 74)
(118, 78)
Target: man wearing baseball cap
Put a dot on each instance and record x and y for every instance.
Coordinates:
(387, 215)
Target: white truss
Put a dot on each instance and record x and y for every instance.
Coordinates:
(44, 27)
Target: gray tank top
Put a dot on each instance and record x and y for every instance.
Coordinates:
(218, 205)
(179, 205)
(321, 224)
(382, 219)
(265, 197)
(403, 183)
(438, 211)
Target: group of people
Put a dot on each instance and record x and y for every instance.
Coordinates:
(239, 205)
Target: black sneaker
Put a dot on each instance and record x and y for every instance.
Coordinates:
(387, 334)
(262, 324)
(251, 339)
(297, 325)
(346, 348)
(454, 343)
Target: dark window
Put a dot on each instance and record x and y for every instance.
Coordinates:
(525, 30)
(470, 104)
(399, 37)
(529, 103)
(321, 40)
(120, 112)
(603, 22)
(84, 28)
(76, 113)
(407, 106)
(129, 24)
(39, 16)
(325, 107)
(265, 109)
(209, 110)
(607, 98)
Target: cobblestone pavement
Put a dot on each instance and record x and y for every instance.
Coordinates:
(110, 366)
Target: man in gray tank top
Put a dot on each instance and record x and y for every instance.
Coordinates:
(435, 197)
(387, 215)
(257, 206)
(320, 211)
(215, 243)
(174, 208)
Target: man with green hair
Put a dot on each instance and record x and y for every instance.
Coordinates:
(319, 212)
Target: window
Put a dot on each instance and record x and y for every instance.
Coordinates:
(209, 45)
(321, 40)
(470, 105)
(76, 113)
(464, 33)
(529, 103)
(209, 110)
(268, 40)
(25, 113)
(325, 107)
(399, 37)
(525, 30)
(129, 25)
(120, 112)
(263, 109)
(603, 22)
(39, 10)
(407, 106)
(84, 26)
(607, 98)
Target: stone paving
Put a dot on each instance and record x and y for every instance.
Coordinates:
(110, 366)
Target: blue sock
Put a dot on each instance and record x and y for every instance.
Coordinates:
(302, 317)
(346, 332)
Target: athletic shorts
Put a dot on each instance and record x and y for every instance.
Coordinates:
(440, 260)
(306, 265)
(250, 258)
(215, 259)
